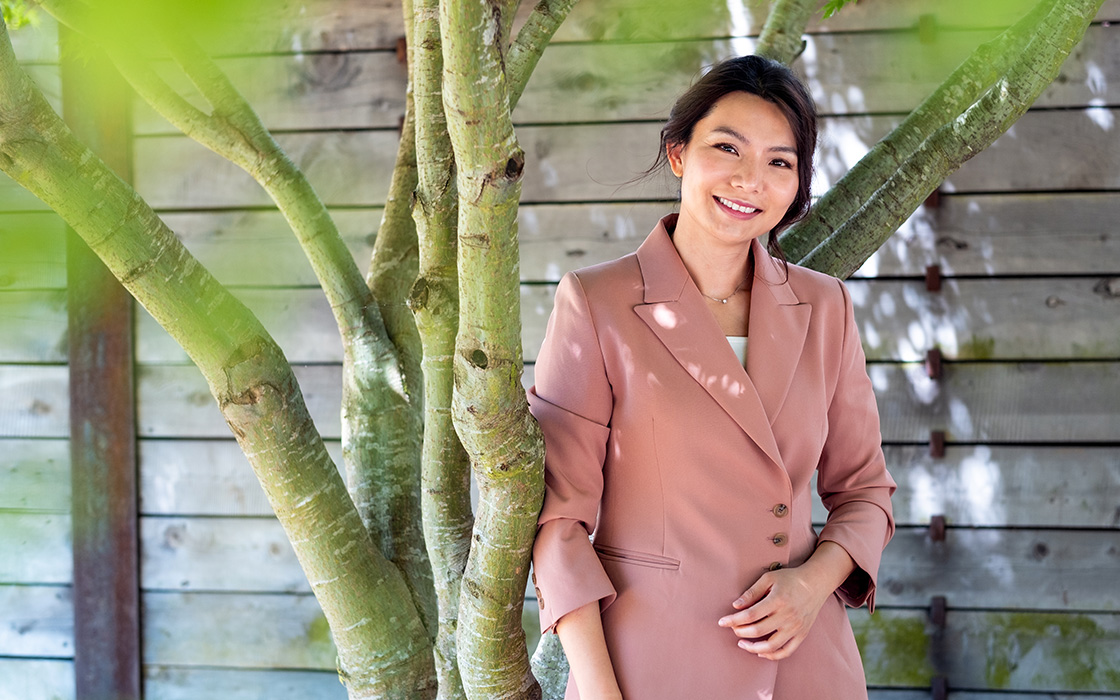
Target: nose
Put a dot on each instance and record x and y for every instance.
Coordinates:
(747, 176)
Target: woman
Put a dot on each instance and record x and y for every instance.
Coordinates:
(687, 458)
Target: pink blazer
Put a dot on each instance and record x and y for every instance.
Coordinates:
(692, 475)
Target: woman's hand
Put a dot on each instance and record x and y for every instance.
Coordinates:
(778, 610)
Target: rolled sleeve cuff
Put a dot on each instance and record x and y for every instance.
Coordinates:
(862, 528)
(567, 573)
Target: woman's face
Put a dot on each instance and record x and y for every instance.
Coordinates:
(738, 172)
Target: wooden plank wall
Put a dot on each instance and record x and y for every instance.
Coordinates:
(1026, 320)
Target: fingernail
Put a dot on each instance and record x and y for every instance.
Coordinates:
(739, 603)
(723, 621)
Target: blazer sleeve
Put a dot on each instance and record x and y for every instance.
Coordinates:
(572, 402)
(852, 476)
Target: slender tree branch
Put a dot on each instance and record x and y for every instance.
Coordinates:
(445, 480)
(781, 35)
(961, 89)
(1034, 68)
(531, 42)
(383, 648)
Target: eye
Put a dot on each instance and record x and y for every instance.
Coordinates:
(726, 148)
(781, 163)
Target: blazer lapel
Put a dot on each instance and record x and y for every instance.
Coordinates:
(675, 311)
(778, 327)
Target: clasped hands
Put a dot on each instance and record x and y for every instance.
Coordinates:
(777, 611)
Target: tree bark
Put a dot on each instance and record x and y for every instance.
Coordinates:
(489, 408)
(445, 480)
(384, 650)
(781, 35)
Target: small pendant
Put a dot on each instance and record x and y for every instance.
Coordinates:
(723, 301)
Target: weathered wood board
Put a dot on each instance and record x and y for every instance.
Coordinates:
(32, 251)
(36, 548)
(300, 320)
(1025, 402)
(218, 554)
(992, 485)
(35, 475)
(1003, 568)
(288, 631)
(258, 249)
(1007, 319)
(987, 234)
(174, 401)
(895, 71)
(979, 650)
(331, 25)
(36, 402)
(224, 630)
(586, 163)
(1032, 569)
(973, 485)
(33, 326)
(36, 621)
(203, 477)
(185, 683)
(36, 679)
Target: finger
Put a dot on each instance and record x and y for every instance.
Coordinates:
(785, 652)
(749, 616)
(753, 594)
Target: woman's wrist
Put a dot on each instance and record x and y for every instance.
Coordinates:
(829, 567)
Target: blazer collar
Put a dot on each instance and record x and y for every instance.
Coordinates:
(676, 312)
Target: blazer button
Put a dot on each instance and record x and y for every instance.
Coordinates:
(775, 566)
(779, 539)
(540, 598)
(781, 510)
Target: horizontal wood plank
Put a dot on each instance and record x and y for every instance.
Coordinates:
(36, 401)
(203, 477)
(218, 554)
(174, 401)
(1008, 319)
(333, 25)
(851, 73)
(32, 251)
(299, 320)
(594, 162)
(185, 683)
(988, 234)
(33, 325)
(36, 548)
(35, 475)
(36, 679)
(1014, 486)
(1032, 569)
(236, 630)
(1027, 402)
(36, 621)
(1015, 651)
(1043, 487)
(998, 568)
(258, 248)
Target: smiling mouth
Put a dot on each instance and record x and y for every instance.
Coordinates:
(736, 207)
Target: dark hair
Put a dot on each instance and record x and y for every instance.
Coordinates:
(774, 83)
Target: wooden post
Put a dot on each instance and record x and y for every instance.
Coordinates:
(102, 411)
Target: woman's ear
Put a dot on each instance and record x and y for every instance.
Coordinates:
(673, 152)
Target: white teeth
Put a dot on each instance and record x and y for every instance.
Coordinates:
(732, 205)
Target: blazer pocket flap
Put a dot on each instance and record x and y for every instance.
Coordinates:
(630, 556)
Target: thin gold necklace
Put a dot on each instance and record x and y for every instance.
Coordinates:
(746, 278)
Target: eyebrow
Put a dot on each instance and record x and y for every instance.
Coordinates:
(735, 134)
